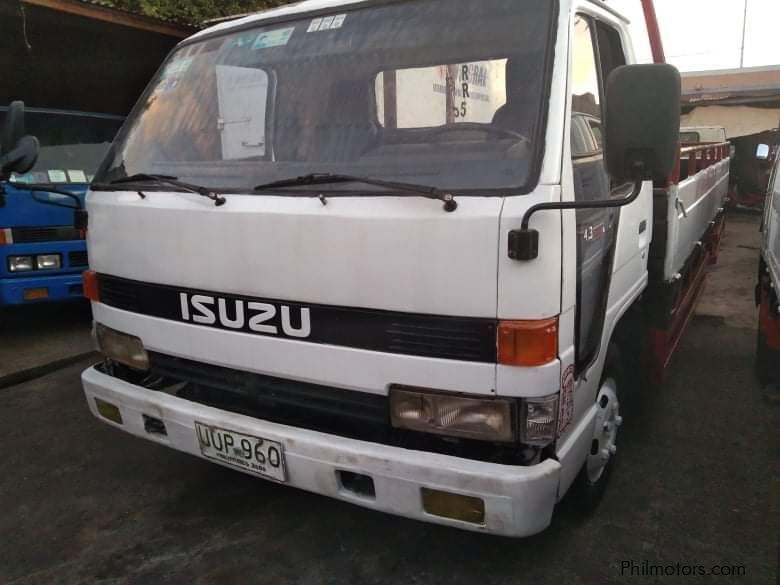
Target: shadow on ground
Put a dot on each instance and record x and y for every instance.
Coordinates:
(35, 335)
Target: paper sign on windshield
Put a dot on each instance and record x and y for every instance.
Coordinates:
(77, 176)
(58, 177)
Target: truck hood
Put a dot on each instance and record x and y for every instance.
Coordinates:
(388, 253)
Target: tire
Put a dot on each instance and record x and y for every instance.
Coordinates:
(597, 469)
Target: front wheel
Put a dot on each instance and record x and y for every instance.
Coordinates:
(600, 462)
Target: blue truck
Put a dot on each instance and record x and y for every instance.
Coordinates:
(42, 251)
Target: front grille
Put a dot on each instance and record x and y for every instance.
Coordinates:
(344, 413)
(78, 259)
(312, 406)
(115, 293)
(31, 235)
(434, 336)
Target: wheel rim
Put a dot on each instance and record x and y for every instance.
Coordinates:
(608, 421)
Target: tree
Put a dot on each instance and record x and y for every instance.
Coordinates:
(194, 11)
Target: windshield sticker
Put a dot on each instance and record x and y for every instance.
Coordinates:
(242, 40)
(77, 176)
(58, 176)
(327, 23)
(274, 38)
(338, 21)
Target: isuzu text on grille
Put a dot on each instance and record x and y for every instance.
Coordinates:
(265, 318)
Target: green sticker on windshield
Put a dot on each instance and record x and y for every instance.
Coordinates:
(273, 38)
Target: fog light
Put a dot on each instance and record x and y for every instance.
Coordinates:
(20, 263)
(108, 411)
(48, 261)
(456, 416)
(121, 347)
(453, 506)
(539, 420)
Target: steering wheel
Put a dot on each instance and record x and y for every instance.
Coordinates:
(475, 127)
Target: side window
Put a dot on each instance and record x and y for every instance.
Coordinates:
(596, 228)
(610, 48)
(586, 90)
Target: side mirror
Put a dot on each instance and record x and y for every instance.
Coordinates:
(762, 152)
(642, 122)
(21, 159)
(13, 128)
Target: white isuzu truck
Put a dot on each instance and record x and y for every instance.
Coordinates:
(399, 252)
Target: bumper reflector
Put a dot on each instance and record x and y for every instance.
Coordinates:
(527, 343)
(454, 506)
(35, 294)
(90, 281)
(108, 411)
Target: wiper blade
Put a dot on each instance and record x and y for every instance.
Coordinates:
(218, 199)
(330, 178)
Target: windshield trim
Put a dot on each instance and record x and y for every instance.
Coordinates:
(539, 146)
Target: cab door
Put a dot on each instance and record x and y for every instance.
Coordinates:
(595, 54)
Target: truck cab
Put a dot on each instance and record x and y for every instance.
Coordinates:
(395, 252)
(42, 253)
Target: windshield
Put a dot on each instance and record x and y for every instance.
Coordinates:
(72, 145)
(445, 93)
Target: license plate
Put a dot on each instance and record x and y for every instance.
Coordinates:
(255, 455)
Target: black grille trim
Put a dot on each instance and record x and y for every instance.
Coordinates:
(32, 235)
(78, 259)
(276, 399)
(456, 338)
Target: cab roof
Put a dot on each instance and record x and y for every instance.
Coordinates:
(314, 6)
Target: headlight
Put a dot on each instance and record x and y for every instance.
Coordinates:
(539, 420)
(456, 416)
(121, 347)
(20, 263)
(48, 261)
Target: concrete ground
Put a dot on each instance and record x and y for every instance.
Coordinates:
(697, 484)
(32, 337)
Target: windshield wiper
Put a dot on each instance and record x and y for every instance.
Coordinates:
(218, 199)
(450, 204)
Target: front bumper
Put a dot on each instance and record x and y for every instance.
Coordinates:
(60, 287)
(519, 501)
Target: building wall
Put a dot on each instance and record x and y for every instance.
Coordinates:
(738, 120)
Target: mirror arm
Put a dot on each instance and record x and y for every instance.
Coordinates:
(524, 243)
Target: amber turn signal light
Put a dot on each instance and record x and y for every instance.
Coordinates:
(527, 343)
(91, 289)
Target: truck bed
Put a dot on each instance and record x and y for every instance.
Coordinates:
(687, 206)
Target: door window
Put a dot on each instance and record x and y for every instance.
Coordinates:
(594, 56)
